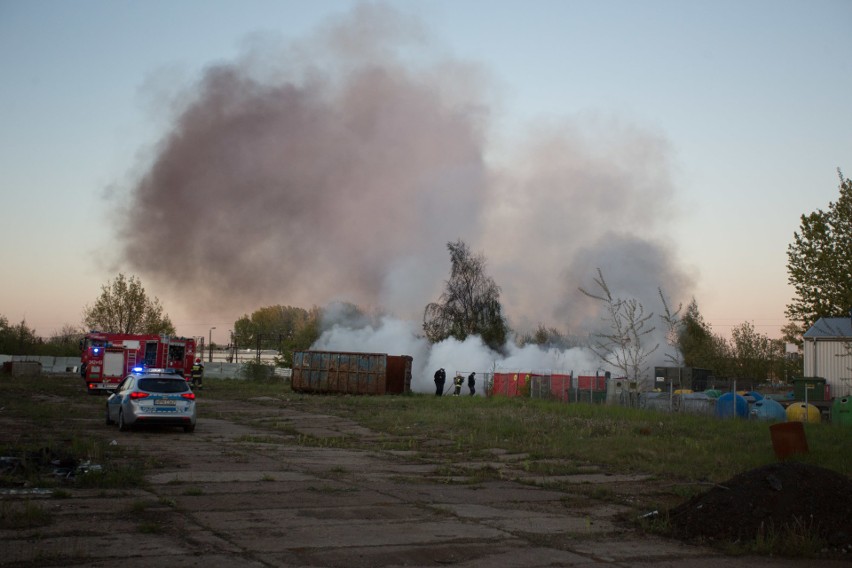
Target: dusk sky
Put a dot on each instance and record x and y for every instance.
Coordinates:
(706, 128)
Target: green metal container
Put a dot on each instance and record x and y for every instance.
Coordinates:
(815, 387)
(841, 411)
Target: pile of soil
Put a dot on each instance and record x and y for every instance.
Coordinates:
(781, 499)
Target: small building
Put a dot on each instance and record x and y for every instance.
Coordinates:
(828, 354)
(22, 368)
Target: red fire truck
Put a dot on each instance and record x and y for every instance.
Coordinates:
(109, 357)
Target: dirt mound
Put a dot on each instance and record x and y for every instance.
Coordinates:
(778, 499)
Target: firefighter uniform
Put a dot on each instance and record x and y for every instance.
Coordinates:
(458, 380)
(197, 373)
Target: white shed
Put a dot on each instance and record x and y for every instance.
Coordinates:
(828, 354)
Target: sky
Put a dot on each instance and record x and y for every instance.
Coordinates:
(238, 154)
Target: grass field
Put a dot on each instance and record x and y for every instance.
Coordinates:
(671, 446)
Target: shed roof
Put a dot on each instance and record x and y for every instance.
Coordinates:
(840, 328)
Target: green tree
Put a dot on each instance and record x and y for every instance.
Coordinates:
(819, 262)
(124, 307)
(470, 304)
(18, 339)
(751, 352)
(756, 356)
(64, 342)
(696, 340)
(792, 333)
(284, 328)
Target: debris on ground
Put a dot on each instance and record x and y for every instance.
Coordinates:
(18, 470)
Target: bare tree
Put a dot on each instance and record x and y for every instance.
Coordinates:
(622, 347)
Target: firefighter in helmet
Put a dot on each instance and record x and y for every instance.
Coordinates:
(197, 373)
(457, 382)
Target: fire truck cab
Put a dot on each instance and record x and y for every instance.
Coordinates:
(109, 357)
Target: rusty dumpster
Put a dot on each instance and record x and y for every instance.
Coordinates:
(351, 372)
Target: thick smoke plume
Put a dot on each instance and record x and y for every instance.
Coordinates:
(334, 179)
(338, 169)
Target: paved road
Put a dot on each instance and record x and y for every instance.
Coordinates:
(246, 490)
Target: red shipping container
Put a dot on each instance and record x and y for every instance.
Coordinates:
(595, 383)
(560, 386)
(509, 384)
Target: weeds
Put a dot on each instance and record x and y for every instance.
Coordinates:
(259, 439)
(618, 438)
(472, 475)
(116, 477)
(623, 439)
(325, 441)
(23, 515)
(151, 527)
(800, 540)
(655, 522)
(168, 502)
(331, 490)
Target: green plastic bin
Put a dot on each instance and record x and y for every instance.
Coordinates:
(841, 411)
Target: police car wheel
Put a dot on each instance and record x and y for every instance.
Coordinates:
(122, 425)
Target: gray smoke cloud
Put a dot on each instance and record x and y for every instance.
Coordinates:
(337, 168)
(335, 181)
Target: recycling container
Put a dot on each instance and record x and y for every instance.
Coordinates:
(841, 411)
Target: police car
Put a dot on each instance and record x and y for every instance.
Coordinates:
(152, 396)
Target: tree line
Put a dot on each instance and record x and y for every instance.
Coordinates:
(20, 339)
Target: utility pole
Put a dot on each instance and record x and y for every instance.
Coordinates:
(210, 345)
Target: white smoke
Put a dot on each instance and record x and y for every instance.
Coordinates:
(398, 337)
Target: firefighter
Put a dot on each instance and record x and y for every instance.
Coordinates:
(458, 380)
(197, 373)
(440, 379)
(471, 383)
